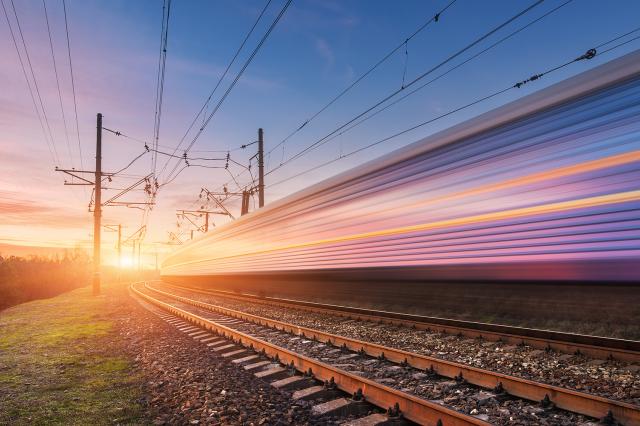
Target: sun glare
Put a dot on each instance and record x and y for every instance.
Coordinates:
(126, 262)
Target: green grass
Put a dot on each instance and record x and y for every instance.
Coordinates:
(61, 363)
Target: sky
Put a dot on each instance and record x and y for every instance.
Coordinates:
(318, 48)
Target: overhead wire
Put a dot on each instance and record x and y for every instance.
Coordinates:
(157, 151)
(162, 60)
(73, 83)
(411, 83)
(114, 174)
(535, 77)
(432, 19)
(234, 179)
(422, 86)
(151, 150)
(182, 157)
(513, 33)
(26, 77)
(175, 176)
(589, 54)
(55, 70)
(35, 80)
(621, 44)
(207, 151)
(222, 77)
(239, 74)
(161, 73)
(618, 38)
(204, 166)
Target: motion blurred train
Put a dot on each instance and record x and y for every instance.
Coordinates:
(546, 188)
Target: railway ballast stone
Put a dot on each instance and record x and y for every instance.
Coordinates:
(187, 383)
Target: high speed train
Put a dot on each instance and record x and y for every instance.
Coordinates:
(545, 188)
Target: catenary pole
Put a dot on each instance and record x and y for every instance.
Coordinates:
(260, 168)
(97, 209)
(119, 245)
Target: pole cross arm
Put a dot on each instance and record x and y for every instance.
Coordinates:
(174, 238)
(225, 194)
(74, 174)
(224, 209)
(139, 234)
(200, 212)
(130, 203)
(188, 217)
(111, 200)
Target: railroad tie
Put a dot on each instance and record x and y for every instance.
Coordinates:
(245, 359)
(292, 383)
(272, 373)
(233, 353)
(256, 365)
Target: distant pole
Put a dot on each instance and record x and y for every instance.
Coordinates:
(244, 209)
(133, 253)
(119, 246)
(97, 209)
(139, 255)
(119, 251)
(260, 168)
(192, 234)
(206, 223)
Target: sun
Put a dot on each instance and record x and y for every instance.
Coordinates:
(126, 262)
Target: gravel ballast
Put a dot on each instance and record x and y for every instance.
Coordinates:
(607, 378)
(458, 395)
(186, 383)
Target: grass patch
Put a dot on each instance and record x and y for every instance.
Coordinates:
(73, 332)
(61, 362)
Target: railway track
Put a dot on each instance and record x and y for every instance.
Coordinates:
(421, 386)
(412, 408)
(569, 343)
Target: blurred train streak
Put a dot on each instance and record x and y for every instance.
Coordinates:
(545, 188)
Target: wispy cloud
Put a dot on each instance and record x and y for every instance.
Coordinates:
(321, 15)
(187, 68)
(349, 73)
(17, 210)
(325, 51)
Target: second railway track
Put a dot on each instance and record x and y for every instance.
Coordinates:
(487, 394)
(570, 343)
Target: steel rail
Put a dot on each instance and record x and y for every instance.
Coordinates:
(412, 408)
(571, 343)
(567, 399)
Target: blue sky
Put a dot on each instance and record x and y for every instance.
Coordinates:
(317, 49)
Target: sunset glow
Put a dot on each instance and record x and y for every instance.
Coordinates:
(38, 212)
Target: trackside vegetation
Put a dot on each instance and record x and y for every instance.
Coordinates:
(24, 279)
